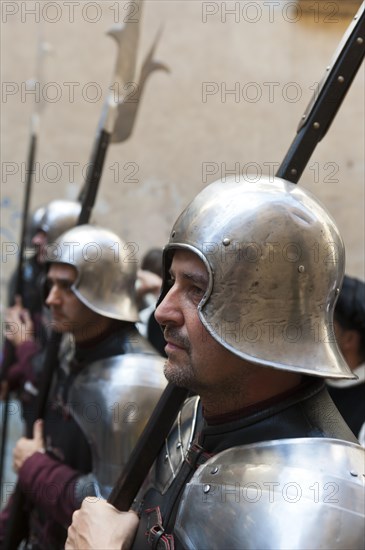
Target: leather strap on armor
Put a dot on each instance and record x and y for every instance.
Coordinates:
(156, 536)
(197, 456)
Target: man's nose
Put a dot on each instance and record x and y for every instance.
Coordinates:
(169, 310)
(54, 296)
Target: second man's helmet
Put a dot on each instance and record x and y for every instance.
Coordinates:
(106, 270)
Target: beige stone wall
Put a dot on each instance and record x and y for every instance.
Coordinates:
(271, 55)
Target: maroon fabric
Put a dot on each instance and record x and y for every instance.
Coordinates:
(51, 485)
(22, 371)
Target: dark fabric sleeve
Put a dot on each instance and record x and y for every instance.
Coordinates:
(22, 371)
(50, 484)
(5, 516)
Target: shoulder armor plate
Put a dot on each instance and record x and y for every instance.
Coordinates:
(111, 400)
(290, 494)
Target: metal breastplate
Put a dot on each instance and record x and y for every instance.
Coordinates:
(290, 494)
(112, 400)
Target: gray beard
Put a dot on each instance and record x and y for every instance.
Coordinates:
(182, 376)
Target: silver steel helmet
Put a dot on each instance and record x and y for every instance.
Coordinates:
(275, 262)
(105, 267)
(36, 219)
(59, 216)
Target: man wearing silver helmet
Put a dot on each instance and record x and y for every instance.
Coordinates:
(108, 382)
(32, 267)
(261, 457)
(26, 321)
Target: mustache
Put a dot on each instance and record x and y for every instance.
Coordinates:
(174, 334)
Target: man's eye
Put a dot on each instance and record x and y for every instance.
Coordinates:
(197, 291)
(65, 285)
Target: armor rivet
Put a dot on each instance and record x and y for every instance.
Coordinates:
(301, 269)
(215, 470)
(316, 125)
(226, 241)
(354, 474)
(173, 234)
(179, 445)
(166, 458)
(206, 488)
(293, 171)
(328, 67)
(359, 40)
(337, 291)
(340, 79)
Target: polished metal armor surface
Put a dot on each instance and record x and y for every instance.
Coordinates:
(111, 400)
(275, 261)
(106, 270)
(58, 217)
(292, 494)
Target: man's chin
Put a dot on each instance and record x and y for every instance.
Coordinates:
(178, 375)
